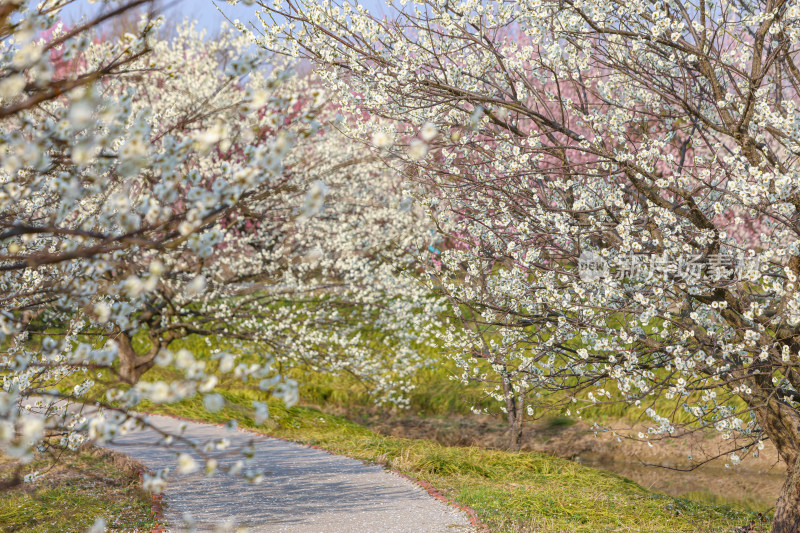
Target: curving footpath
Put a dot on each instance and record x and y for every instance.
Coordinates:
(305, 490)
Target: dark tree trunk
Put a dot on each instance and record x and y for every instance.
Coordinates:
(514, 415)
(131, 365)
(787, 509)
(515, 435)
(781, 423)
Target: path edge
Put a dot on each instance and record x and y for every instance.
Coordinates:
(472, 515)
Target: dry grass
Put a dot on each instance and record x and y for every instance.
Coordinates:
(73, 491)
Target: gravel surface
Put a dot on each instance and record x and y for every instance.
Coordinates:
(304, 490)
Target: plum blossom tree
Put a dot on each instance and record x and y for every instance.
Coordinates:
(59, 239)
(303, 266)
(621, 180)
(93, 184)
(162, 187)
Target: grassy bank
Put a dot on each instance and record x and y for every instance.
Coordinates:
(511, 492)
(69, 497)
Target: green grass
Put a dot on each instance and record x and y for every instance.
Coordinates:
(69, 497)
(511, 492)
(437, 394)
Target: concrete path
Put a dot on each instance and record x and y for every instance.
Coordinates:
(304, 490)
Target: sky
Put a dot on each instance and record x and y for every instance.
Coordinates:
(203, 10)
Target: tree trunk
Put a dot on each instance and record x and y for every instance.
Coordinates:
(515, 435)
(131, 365)
(781, 423)
(787, 509)
(514, 415)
